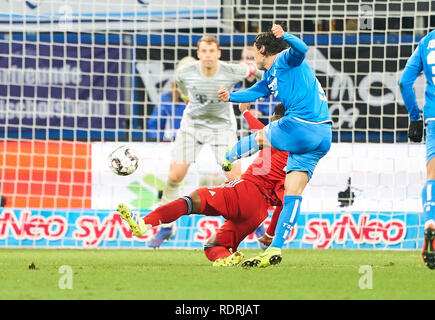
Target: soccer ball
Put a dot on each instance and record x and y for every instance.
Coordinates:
(123, 161)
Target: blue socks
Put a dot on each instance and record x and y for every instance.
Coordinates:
(428, 197)
(243, 148)
(287, 219)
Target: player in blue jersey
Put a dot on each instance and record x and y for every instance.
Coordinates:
(305, 131)
(423, 60)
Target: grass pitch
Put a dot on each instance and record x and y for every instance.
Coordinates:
(188, 275)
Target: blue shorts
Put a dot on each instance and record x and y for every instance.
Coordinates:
(430, 140)
(306, 142)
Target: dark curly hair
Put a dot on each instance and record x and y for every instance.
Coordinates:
(271, 44)
(279, 110)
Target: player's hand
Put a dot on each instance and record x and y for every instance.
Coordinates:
(244, 106)
(277, 31)
(185, 98)
(256, 113)
(224, 94)
(415, 131)
(261, 139)
(266, 240)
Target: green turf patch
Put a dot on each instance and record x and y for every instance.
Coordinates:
(187, 274)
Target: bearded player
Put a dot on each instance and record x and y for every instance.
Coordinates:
(206, 119)
(242, 202)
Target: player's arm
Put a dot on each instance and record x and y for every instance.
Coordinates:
(258, 90)
(252, 121)
(298, 49)
(413, 69)
(270, 232)
(244, 70)
(274, 220)
(184, 94)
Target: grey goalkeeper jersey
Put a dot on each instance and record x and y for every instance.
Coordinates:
(205, 110)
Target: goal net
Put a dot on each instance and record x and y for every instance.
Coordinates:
(78, 79)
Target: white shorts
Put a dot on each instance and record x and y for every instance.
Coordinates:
(188, 144)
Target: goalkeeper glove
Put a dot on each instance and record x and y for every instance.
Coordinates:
(415, 131)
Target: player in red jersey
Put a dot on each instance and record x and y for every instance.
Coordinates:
(256, 125)
(242, 202)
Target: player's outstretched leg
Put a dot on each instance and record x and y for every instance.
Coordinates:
(136, 223)
(286, 221)
(170, 193)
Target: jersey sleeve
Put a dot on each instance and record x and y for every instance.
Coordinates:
(181, 86)
(258, 90)
(296, 53)
(413, 68)
(240, 71)
(252, 121)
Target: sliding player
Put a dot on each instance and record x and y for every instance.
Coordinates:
(423, 60)
(305, 131)
(266, 235)
(242, 202)
(206, 119)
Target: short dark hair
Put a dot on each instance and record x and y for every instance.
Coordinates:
(208, 40)
(271, 44)
(279, 110)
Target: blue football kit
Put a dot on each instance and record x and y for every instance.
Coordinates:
(306, 128)
(423, 60)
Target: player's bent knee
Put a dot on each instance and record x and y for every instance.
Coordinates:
(196, 200)
(175, 178)
(177, 171)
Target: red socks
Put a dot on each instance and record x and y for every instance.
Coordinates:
(214, 253)
(167, 213)
(174, 210)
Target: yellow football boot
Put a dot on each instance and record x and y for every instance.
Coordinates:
(136, 223)
(270, 256)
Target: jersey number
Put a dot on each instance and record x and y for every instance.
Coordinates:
(322, 95)
(201, 98)
(431, 60)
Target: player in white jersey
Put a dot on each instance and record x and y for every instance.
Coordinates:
(206, 119)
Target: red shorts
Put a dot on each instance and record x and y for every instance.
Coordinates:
(241, 203)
